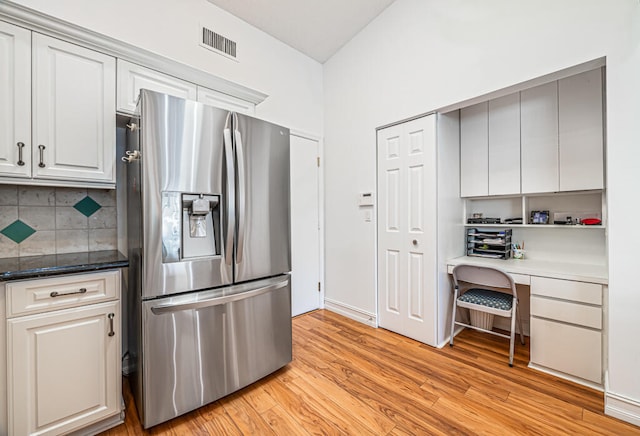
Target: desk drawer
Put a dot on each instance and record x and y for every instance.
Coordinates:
(566, 348)
(588, 316)
(43, 295)
(590, 293)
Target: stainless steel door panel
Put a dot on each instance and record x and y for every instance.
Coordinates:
(182, 152)
(262, 154)
(203, 346)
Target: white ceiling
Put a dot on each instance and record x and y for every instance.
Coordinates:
(317, 28)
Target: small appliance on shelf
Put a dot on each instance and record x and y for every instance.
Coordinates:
(493, 244)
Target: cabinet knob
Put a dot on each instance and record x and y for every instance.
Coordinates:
(415, 242)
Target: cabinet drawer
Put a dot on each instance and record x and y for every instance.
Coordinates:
(590, 293)
(588, 316)
(573, 350)
(42, 295)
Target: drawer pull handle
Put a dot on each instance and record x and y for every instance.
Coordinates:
(41, 148)
(58, 294)
(111, 332)
(20, 147)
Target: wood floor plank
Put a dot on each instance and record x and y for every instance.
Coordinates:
(302, 412)
(349, 378)
(245, 417)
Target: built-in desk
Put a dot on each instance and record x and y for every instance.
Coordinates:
(523, 269)
(566, 314)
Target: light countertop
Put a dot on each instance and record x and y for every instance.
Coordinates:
(593, 273)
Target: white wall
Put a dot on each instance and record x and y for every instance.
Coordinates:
(419, 55)
(292, 80)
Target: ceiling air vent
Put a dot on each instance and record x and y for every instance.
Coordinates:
(218, 43)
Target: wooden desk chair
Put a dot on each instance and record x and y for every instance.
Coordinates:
(502, 302)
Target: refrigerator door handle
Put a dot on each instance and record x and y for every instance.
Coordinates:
(241, 188)
(217, 301)
(231, 201)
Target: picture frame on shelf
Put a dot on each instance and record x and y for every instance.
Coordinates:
(539, 217)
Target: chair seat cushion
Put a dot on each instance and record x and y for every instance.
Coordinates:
(485, 297)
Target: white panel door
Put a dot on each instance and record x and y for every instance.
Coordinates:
(305, 228)
(132, 78)
(504, 145)
(406, 229)
(474, 151)
(15, 101)
(74, 120)
(64, 369)
(225, 101)
(581, 133)
(539, 138)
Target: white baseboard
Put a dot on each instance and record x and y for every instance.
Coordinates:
(622, 408)
(351, 312)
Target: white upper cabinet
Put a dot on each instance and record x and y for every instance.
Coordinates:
(539, 138)
(73, 112)
(581, 164)
(15, 101)
(474, 151)
(132, 78)
(57, 111)
(504, 145)
(224, 101)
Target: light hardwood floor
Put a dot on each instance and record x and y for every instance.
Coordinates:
(348, 378)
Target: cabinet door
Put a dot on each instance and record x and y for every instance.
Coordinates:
(581, 134)
(15, 101)
(132, 78)
(224, 101)
(567, 348)
(74, 120)
(504, 145)
(63, 369)
(474, 151)
(539, 138)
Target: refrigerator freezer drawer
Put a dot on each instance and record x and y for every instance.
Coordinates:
(203, 346)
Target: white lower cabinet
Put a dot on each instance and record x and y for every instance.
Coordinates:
(63, 366)
(566, 327)
(567, 348)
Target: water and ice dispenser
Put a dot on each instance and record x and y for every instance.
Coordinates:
(191, 226)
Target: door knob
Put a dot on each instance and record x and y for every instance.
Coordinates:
(415, 242)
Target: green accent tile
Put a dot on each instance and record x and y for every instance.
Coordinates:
(87, 206)
(17, 231)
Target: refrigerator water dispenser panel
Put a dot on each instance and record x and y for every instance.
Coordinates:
(190, 226)
(200, 218)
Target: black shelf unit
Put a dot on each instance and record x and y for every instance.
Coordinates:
(489, 243)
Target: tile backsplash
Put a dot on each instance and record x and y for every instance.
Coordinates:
(38, 220)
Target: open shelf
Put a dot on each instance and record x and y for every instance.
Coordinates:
(578, 204)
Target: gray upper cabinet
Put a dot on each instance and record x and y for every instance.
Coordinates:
(504, 145)
(539, 138)
(581, 151)
(474, 151)
(490, 148)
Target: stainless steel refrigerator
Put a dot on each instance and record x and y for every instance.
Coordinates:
(209, 249)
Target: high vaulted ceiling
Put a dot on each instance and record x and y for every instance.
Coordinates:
(317, 28)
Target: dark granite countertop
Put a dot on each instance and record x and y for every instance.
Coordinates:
(43, 266)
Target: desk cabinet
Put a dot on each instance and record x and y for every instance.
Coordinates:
(566, 327)
(63, 352)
